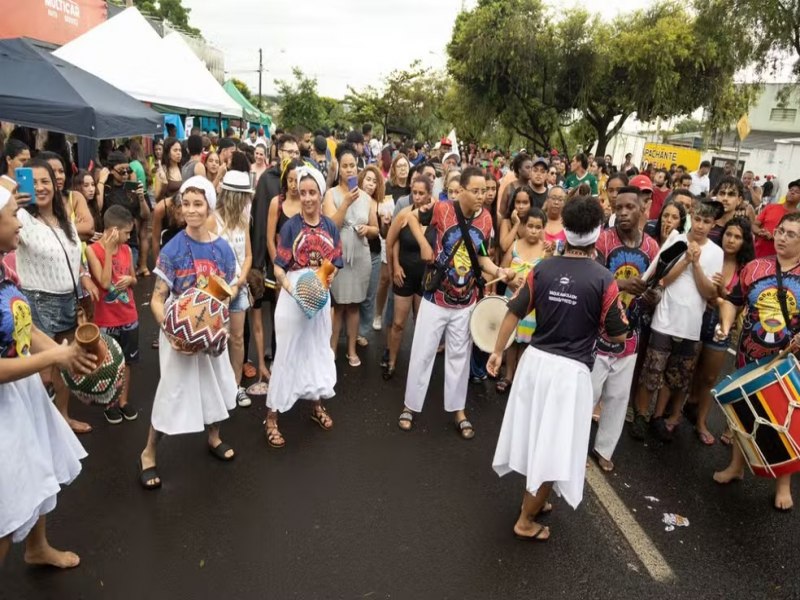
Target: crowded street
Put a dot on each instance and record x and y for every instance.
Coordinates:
(509, 311)
(367, 511)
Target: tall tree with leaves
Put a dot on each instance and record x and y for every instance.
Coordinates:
(300, 104)
(244, 90)
(171, 11)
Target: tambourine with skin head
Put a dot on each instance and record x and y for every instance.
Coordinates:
(485, 321)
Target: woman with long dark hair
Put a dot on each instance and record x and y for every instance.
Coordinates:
(49, 268)
(15, 155)
(672, 216)
(737, 243)
(518, 205)
(85, 184)
(169, 174)
(75, 203)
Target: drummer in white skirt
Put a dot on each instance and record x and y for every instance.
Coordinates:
(196, 391)
(304, 367)
(40, 452)
(545, 432)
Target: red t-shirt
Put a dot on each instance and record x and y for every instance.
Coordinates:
(769, 219)
(115, 308)
(659, 197)
(458, 288)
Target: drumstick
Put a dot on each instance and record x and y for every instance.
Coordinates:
(493, 281)
(782, 354)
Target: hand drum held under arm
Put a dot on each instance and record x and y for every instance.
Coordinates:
(311, 290)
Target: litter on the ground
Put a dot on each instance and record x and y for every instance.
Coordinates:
(651, 499)
(675, 520)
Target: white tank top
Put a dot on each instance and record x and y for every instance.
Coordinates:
(236, 239)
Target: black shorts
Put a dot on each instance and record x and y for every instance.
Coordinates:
(412, 284)
(127, 337)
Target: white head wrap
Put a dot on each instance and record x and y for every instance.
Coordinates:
(5, 196)
(307, 171)
(577, 240)
(201, 183)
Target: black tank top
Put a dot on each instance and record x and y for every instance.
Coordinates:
(409, 248)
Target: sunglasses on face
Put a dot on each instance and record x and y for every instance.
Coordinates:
(123, 171)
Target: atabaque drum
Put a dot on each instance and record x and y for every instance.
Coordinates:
(104, 384)
(196, 321)
(485, 320)
(760, 402)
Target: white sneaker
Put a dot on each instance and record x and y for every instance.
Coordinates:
(377, 323)
(242, 399)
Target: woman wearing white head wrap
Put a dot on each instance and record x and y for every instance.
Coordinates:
(349, 208)
(195, 391)
(40, 452)
(304, 367)
(548, 416)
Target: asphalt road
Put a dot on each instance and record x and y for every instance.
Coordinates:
(369, 511)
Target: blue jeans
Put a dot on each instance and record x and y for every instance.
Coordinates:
(477, 363)
(366, 309)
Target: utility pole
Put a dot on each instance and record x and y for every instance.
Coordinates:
(260, 72)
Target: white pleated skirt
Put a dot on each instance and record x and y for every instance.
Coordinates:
(194, 391)
(304, 367)
(545, 432)
(40, 453)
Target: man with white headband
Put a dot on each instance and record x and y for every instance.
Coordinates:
(548, 417)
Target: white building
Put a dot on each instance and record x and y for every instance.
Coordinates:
(771, 148)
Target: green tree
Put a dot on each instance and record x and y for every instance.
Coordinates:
(763, 32)
(411, 99)
(244, 90)
(299, 103)
(505, 57)
(172, 11)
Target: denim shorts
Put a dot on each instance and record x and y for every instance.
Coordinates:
(242, 300)
(52, 313)
(710, 320)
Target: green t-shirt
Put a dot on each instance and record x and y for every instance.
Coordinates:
(137, 168)
(573, 181)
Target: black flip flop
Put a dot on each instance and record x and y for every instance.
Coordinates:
(219, 451)
(536, 537)
(406, 416)
(464, 427)
(146, 475)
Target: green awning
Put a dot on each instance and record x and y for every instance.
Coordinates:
(251, 113)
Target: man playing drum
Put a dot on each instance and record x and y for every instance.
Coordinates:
(770, 299)
(447, 303)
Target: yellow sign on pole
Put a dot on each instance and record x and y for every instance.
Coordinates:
(743, 127)
(662, 156)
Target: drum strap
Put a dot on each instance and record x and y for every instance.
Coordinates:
(782, 297)
(473, 257)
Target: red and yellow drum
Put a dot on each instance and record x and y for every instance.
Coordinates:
(760, 402)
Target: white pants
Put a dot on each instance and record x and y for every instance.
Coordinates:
(432, 322)
(611, 380)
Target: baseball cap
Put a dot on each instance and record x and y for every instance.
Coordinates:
(445, 142)
(541, 161)
(642, 182)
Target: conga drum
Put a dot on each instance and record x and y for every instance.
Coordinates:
(759, 402)
(485, 320)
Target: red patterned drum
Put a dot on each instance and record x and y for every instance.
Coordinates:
(759, 402)
(104, 384)
(197, 322)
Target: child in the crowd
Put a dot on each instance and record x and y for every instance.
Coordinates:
(113, 271)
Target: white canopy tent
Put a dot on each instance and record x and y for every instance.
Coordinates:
(194, 75)
(154, 76)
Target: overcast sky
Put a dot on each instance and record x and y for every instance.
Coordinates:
(341, 42)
